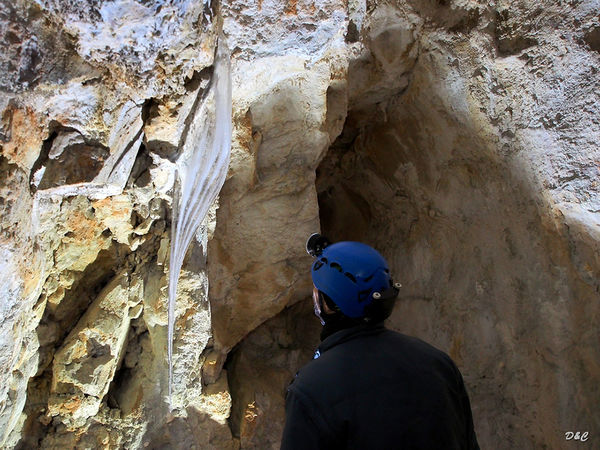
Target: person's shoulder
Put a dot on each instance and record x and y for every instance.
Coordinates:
(310, 379)
(316, 368)
(416, 344)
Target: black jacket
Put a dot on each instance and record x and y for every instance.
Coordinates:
(372, 388)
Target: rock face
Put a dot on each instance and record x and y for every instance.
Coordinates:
(459, 138)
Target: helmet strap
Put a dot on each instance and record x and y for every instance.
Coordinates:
(318, 305)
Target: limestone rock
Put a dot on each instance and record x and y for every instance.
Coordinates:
(250, 266)
(86, 363)
(261, 368)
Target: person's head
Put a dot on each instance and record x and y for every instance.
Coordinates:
(350, 279)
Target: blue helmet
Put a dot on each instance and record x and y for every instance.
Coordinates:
(353, 275)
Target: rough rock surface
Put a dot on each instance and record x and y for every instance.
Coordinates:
(458, 137)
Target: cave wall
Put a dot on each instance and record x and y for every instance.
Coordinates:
(96, 103)
(484, 257)
(457, 160)
(459, 138)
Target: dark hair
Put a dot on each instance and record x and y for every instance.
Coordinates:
(379, 310)
(376, 311)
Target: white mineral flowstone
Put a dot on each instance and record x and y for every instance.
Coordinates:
(135, 40)
(460, 138)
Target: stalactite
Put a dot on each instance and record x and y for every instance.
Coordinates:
(201, 175)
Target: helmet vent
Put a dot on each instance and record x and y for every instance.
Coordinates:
(318, 265)
(349, 275)
(368, 278)
(336, 266)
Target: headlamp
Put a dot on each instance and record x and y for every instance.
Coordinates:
(316, 244)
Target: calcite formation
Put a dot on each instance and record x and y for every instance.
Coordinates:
(458, 137)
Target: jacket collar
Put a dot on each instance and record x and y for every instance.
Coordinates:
(339, 337)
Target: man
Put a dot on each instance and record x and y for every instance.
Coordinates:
(369, 387)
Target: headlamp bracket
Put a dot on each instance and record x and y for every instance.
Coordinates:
(389, 293)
